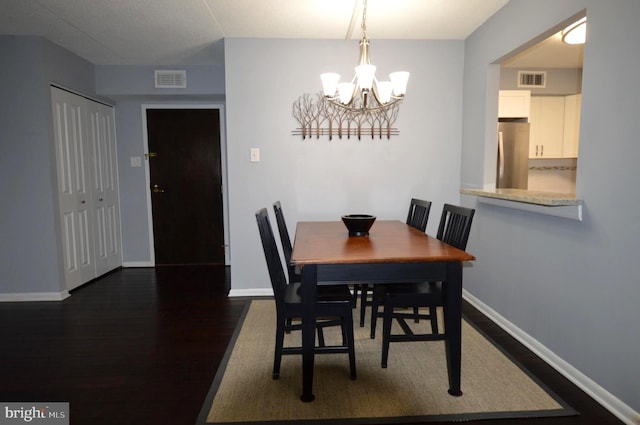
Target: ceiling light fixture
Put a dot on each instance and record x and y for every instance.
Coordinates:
(362, 107)
(364, 92)
(575, 33)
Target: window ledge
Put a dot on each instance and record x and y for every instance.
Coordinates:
(548, 203)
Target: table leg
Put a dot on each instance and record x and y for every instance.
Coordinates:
(309, 297)
(453, 324)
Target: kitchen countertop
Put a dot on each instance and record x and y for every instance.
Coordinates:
(548, 199)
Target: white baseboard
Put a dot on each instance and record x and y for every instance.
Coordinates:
(138, 264)
(252, 292)
(34, 296)
(621, 410)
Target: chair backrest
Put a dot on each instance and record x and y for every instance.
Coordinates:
(274, 263)
(287, 248)
(455, 225)
(418, 213)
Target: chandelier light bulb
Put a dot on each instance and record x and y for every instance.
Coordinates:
(399, 80)
(384, 91)
(364, 75)
(330, 83)
(345, 92)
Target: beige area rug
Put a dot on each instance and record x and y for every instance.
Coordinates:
(412, 389)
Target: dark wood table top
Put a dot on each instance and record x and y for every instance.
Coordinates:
(328, 242)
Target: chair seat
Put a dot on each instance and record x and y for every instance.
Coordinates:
(326, 292)
(332, 300)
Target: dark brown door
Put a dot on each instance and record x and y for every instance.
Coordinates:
(186, 186)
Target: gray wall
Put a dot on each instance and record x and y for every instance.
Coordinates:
(560, 81)
(132, 81)
(131, 87)
(571, 286)
(30, 259)
(320, 179)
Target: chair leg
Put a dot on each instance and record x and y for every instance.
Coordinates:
(320, 336)
(386, 332)
(279, 344)
(433, 316)
(289, 322)
(416, 319)
(364, 289)
(348, 327)
(375, 306)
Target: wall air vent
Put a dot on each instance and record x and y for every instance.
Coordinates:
(532, 79)
(167, 79)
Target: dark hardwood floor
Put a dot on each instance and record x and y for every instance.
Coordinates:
(141, 346)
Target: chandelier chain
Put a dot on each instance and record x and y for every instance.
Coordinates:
(364, 19)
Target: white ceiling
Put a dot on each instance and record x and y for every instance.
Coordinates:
(549, 53)
(163, 32)
(170, 32)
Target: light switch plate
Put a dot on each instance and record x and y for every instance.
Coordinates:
(136, 161)
(255, 154)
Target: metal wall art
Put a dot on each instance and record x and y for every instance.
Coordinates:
(319, 117)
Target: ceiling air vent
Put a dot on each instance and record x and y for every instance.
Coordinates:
(171, 79)
(532, 79)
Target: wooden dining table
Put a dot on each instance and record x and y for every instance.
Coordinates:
(393, 252)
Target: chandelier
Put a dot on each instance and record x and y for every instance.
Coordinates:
(362, 107)
(364, 92)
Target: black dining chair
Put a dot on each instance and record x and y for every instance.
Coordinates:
(285, 240)
(417, 217)
(419, 213)
(287, 249)
(333, 308)
(454, 229)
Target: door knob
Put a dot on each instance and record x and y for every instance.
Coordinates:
(157, 189)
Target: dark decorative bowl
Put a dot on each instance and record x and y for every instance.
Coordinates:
(358, 224)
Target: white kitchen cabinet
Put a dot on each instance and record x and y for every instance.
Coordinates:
(514, 103)
(547, 127)
(571, 137)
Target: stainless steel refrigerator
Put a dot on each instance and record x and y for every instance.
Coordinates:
(513, 155)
